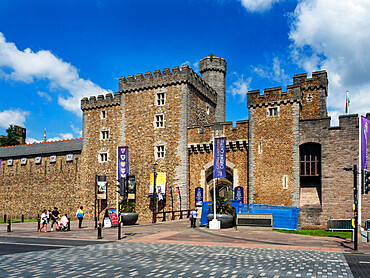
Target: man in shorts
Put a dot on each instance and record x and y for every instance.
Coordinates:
(54, 217)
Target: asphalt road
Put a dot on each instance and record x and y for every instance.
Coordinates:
(11, 245)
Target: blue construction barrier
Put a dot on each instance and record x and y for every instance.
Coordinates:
(284, 217)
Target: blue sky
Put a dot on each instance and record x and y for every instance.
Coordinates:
(53, 53)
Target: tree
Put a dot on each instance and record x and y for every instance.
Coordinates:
(11, 139)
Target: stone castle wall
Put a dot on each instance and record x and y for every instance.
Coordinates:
(339, 149)
(28, 189)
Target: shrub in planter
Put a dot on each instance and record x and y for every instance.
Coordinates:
(128, 214)
(225, 212)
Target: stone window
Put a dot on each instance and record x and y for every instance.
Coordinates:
(160, 99)
(159, 121)
(104, 135)
(159, 151)
(103, 157)
(273, 112)
(309, 97)
(207, 110)
(103, 115)
(310, 160)
(285, 182)
(259, 147)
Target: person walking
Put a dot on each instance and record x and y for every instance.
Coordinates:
(193, 218)
(54, 216)
(44, 221)
(80, 215)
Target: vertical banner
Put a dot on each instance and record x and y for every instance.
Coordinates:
(131, 187)
(122, 162)
(239, 194)
(160, 187)
(219, 158)
(198, 196)
(365, 125)
(178, 192)
(101, 187)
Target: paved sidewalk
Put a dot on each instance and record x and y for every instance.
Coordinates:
(179, 232)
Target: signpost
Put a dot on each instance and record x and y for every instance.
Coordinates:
(219, 171)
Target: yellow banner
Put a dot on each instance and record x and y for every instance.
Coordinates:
(160, 183)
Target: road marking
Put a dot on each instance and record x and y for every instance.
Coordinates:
(364, 262)
(36, 244)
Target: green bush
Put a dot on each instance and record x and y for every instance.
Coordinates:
(223, 206)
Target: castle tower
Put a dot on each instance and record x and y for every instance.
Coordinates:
(213, 71)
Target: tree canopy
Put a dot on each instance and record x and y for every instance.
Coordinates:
(11, 139)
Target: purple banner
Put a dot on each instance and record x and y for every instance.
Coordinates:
(198, 196)
(122, 162)
(239, 194)
(365, 125)
(219, 158)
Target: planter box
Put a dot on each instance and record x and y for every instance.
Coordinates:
(225, 219)
(129, 218)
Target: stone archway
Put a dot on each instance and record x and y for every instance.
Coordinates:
(224, 186)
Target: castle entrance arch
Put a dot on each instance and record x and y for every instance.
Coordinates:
(224, 186)
(310, 174)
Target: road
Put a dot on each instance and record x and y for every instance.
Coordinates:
(71, 258)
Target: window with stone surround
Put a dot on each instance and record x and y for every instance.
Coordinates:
(207, 109)
(159, 121)
(103, 157)
(103, 115)
(310, 160)
(160, 99)
(273, 112)
(160, 151)
(285, 182)
(309, 97)
(104, 135)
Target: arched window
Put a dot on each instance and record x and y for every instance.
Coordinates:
(310, 160)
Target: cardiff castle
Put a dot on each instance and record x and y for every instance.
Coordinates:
(285, 154)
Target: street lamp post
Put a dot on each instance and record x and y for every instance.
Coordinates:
(154, 220)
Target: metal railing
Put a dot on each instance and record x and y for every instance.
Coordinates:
(179, 214)
(339, 224)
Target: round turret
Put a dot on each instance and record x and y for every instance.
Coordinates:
(213, 71)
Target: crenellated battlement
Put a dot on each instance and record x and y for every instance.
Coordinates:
(271, 96)
(213, 63)
(318, 80)
(158, 79)
(100, 101)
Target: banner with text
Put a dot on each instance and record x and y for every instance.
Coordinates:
(365, 125)
(219, 158)
(122, 162)
(239, 194)
(101, 187)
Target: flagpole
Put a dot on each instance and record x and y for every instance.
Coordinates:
(359, 169)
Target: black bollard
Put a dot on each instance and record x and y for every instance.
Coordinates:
(4, 218)
(22, 218)
(38, 222)
(69, 224)
(9, 228)
(99, 231)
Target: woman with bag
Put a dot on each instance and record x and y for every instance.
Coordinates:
(80, 215)
(44, 221)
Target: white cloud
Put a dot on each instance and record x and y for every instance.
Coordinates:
(76, 130)
(240, 87)
(258, 5)
(62, 136)
(26, 66)
(46, 96)
(194, 66)
(13, 117)
(32, 140)
(276, 72)
(333, 35)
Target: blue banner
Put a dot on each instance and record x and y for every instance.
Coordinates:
(198, 196)
(219, 158)
(239, 194)
(122, 162)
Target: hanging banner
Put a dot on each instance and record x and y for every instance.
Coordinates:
(122, 162)
(131, 187)
(198, 196)
(239, 194)
(219, 158)
(365, 126)
(160, 183)
(178, 192)
(101, 187)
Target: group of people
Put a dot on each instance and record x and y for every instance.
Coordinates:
(53, 217)
(60, 222)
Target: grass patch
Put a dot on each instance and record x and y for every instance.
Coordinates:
(322, 233)
(17, 220)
